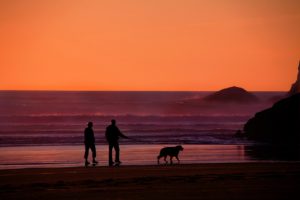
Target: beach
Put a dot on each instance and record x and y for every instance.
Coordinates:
(41, 148)
(278, 180)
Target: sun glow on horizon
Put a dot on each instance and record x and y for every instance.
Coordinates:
(139, 45)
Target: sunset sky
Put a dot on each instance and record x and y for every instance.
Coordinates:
(148, 44)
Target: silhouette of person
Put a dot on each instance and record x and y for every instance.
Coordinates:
(112, 135)
(89, 142)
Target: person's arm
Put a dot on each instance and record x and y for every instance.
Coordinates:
(122, 135)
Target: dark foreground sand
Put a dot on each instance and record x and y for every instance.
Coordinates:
(201, 181)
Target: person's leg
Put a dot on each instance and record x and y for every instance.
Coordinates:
(93, 148)
(86, 153)
(117, 149)
(110, 160)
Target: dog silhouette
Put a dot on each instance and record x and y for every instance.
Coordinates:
(169, 151)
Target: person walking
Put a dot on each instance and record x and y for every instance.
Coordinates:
(89, 142)
(112, 135)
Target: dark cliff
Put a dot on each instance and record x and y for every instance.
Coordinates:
(279, 124)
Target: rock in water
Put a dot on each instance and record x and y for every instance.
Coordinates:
(296, 86)
(277, 125)
(232, 95)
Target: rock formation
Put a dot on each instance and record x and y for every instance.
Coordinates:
(277, 125)
(296, 86)
(231, 95)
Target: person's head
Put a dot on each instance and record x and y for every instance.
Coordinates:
(113, 122)
(90, 124)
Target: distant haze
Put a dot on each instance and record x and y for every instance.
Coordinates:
(149, 45)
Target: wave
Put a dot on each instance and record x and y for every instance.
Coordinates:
(145, 116)
(141, 140)
(58, 132)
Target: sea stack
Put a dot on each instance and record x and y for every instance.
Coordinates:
(232, 95)
(296, 86)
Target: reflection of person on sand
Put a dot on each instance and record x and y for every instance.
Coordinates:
(112, 135)
(89, 142)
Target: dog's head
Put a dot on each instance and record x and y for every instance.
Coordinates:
(179, 147)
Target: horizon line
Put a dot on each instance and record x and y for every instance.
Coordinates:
(55, 90)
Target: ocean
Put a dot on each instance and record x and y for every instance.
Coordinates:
(47, 120)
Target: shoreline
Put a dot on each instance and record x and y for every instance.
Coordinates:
(259, 180)
(64, 156)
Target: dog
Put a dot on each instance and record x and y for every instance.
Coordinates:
(169, 151)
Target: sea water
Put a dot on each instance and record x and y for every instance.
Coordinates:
(45, 128)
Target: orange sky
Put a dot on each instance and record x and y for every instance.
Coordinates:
(148, 44)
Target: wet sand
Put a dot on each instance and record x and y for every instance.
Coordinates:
(195, 181)
(146, 154)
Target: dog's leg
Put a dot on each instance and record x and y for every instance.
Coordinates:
(165, 158)
(177, 159)
(171, 161)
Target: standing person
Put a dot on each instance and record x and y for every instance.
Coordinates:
(89, 142)
(112, 135)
